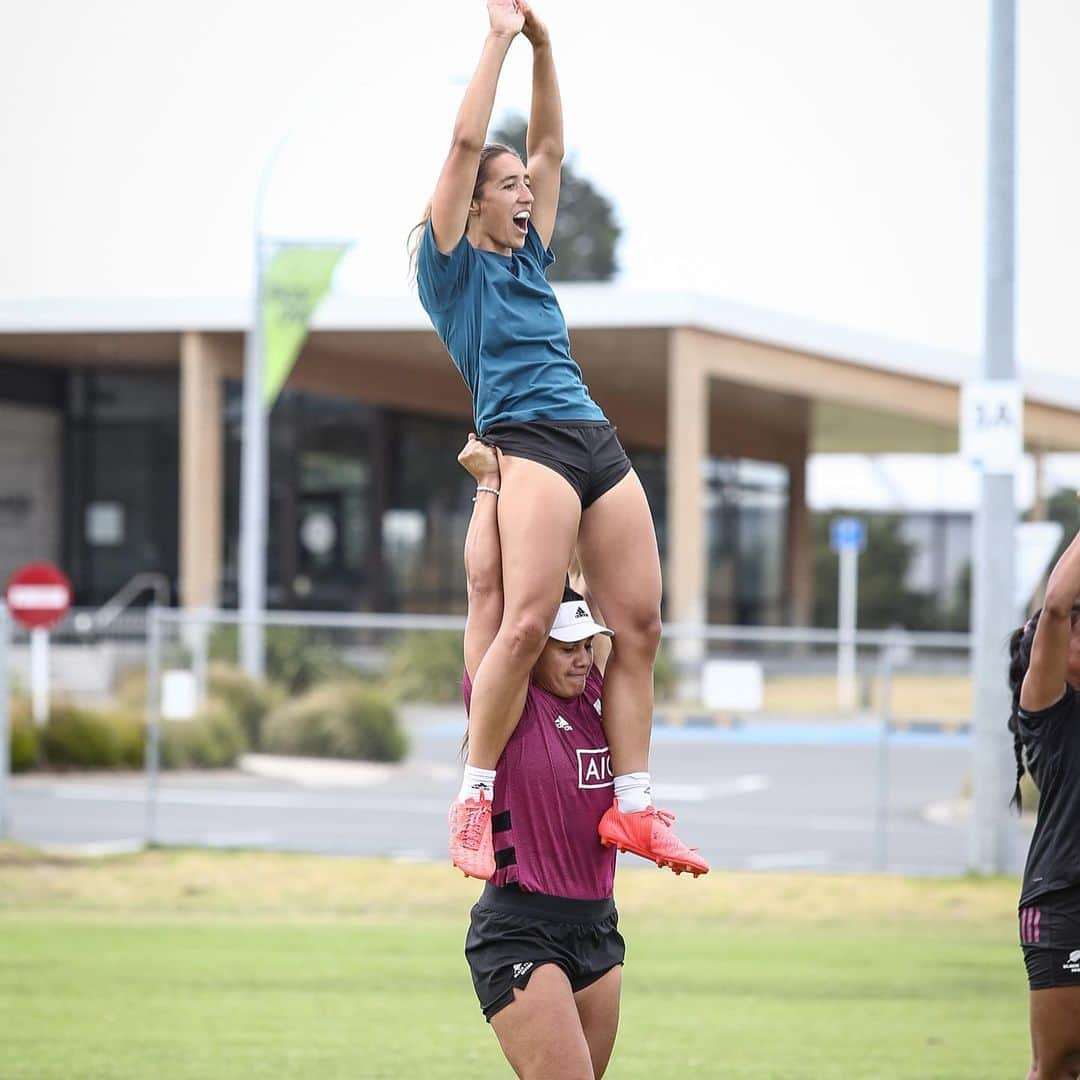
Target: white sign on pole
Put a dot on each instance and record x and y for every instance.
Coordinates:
(179, 695)
(847, 532)
(39, 675)
(992, 425)
(733, 684)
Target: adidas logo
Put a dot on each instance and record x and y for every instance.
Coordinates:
(520, 969)
(562, 725)
(581, 613)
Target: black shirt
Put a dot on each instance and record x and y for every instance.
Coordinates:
(1051, 740)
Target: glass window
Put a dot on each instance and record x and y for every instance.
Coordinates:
(321, 550)
(746, 506)
(121, 486)
(426, 515)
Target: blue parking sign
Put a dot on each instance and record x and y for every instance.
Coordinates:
(847, 533)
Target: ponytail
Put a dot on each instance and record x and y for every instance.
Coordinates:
(416, 234)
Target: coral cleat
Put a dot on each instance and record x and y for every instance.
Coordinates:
(471, 848)
(648, 833)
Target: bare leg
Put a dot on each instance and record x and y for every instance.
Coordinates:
(1055, 1033)
(539, 514)
(598, 1008)
(540, 1031)
(619, 557)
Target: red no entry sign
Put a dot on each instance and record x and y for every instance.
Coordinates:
(38, 595)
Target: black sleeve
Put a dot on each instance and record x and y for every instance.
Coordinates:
(1062, 707)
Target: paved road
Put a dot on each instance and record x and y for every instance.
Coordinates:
(749, 799)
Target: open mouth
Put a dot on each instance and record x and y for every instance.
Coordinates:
(521, 222)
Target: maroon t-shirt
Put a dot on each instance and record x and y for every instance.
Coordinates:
(553, 783)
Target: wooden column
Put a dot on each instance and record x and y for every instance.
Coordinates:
(202, 361)
(687, 447)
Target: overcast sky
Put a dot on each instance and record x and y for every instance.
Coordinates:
(823, 159)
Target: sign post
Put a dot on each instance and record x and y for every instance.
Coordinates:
(38, 596)
(847, 537)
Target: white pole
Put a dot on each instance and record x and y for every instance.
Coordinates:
(39, 675)
(254, 478)
(994, 569)
(845, 623)
(153, 721)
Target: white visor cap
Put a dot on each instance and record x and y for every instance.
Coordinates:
(574, 622)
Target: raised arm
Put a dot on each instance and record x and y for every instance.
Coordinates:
(453, 192)
(544, 141)
(1045, 680)
(483, 554)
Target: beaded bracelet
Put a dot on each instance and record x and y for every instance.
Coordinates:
(480, 487)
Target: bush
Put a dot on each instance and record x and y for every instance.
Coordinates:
(212, 739)
(248, 700)
(664, 677)
(130, 690)
(23, 742)
(295, 657)
(82, 738)
(428, 667)
(341, 720)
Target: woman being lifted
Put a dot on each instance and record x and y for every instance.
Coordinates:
(565, 479)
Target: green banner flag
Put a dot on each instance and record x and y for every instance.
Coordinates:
(294, 282)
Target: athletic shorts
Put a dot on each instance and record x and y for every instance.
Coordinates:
(1050, 937)
(512, 933)
(585, 453)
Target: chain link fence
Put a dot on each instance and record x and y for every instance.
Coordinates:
(350, 744)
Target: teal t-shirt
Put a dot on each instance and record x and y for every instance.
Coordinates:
(504, 330)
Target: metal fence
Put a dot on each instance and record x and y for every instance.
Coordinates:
(767, 759)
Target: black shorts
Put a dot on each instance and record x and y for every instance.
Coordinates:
(1050, 936)
(585, 453)
(512, 933)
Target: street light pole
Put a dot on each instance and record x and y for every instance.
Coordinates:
(254, 477)
(993, 609)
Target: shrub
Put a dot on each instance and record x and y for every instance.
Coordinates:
(213, 739)
(248, 700)
(342, 720)
(296, 657)
(130, 690)
(428, 667)
(23, 743)
(664, 676)
(78, 737)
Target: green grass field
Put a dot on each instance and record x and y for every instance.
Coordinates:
(181, 964)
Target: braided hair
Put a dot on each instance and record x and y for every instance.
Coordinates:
(1020, 643)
